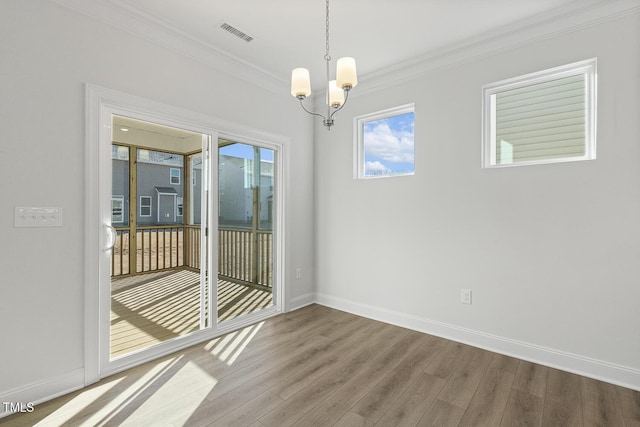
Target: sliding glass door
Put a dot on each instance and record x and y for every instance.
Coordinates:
(246, 191)
(184, 234)
(158, 264)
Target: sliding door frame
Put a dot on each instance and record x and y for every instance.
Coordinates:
(101, 104)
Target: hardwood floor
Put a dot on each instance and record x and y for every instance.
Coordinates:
(321, 367)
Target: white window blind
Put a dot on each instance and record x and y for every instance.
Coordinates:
(541, 118)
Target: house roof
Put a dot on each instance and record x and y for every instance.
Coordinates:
(166, 190)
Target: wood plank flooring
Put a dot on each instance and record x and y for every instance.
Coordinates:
(152, 308)
(321, 367)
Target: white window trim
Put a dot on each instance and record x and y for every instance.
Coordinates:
(179, 199)
(587, 67)
(146, 206)
(171, 176)
(121, 198)
(358, 148)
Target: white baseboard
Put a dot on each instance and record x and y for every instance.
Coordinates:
(585, 366)
(41, 391)
(302, 301)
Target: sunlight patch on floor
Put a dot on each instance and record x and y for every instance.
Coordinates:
(241, 343)
(233, 344)
(118, 407)
(165, 404)
(158, 394)
(150, 309)
(74, 407)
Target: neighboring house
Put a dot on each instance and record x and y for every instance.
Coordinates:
(160, 189)
(235, 184)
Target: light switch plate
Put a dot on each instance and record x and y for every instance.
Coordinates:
(37, 217)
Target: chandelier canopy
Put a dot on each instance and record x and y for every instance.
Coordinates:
(337, 91)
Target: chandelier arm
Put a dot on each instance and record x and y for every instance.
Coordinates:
(311, 112)
(346, 97)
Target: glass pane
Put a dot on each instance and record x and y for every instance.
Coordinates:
(195, 201)
(388, 145)
(235, 182)
(161, 296)
(266, 189)
(541, 122)
(245, 235)
(117, 209)
(156, 174)
(120, 205)
(542, 117)
(196, 248)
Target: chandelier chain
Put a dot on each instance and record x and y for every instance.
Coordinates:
(327, 57)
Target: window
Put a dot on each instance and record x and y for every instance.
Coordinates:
(145, 206)
(179, 204)
(117, 209)
(174, 176)
(385, 143)
(544, 117)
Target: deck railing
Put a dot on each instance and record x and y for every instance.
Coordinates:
(243, 255)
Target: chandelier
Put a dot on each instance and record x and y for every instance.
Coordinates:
(337, 91)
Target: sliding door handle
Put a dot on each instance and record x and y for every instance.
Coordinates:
(112, 237)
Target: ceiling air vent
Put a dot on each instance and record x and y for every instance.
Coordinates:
(236, 32)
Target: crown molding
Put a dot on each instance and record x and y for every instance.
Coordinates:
(572, 17)
(121, 16)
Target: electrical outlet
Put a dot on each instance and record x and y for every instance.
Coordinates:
(465, 296)
(298, 273)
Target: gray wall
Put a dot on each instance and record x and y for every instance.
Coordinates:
(48, 54)
(550, 252)
(149, 176)
(120, 186)
(235, 200)
(197, 200)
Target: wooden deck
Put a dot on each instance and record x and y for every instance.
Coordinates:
(152, 308)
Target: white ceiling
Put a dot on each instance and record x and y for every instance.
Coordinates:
(377, 33)
(382, 35)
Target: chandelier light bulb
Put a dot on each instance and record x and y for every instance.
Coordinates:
(336, 95)
(346, 75)
(300, 83)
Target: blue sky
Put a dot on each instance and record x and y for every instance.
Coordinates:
(389, 145)
(245, 152)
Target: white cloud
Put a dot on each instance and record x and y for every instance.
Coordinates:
(376, 168)
(390, 145)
